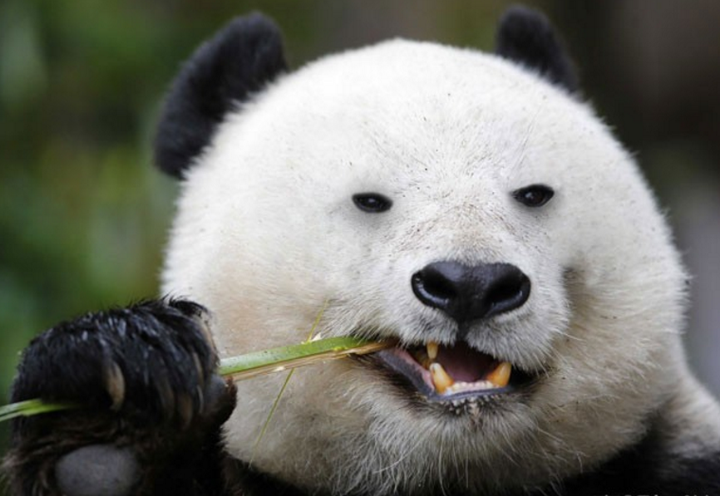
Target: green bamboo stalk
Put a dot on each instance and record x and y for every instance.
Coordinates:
(287, 357)
(240, 367)
(31, 407)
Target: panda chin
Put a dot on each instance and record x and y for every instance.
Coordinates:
(455, 374)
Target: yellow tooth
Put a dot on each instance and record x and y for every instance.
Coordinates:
(501, 375)
(432, 350)
(441, 379)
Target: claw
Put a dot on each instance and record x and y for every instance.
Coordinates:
(115, 384)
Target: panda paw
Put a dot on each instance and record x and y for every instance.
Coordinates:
(145, 383)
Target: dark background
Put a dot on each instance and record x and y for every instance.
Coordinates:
(84, 215)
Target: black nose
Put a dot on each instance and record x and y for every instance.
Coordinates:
(467, 293)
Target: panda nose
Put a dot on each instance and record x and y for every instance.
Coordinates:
(468, 293)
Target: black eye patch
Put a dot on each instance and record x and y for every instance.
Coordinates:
(533, 196)
(373, 203)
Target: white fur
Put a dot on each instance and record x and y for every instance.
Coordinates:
(266, 233)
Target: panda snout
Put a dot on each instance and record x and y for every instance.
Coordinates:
(466, 293)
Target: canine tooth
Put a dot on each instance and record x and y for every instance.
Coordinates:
(440, 378)
(501, 375)
(115, 384)
(432, 350)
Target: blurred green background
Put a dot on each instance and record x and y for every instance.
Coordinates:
(84, 215)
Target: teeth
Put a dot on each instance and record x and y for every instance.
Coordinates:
(501, 375)
(441, 379)
(459, 387)
(432, 350)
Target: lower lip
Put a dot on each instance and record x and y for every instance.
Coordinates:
(402, 364)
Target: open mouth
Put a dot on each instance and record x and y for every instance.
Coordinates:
(450, 373)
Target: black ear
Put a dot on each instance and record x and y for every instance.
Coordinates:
(239, 60)
(526, 36)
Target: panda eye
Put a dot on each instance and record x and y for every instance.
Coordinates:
(535, 195)
(373, 203)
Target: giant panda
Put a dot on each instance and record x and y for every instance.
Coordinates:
(470, 208)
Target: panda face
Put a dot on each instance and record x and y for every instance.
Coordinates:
(477, 216)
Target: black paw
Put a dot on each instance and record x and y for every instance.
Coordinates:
(152, 361)
(144, 378)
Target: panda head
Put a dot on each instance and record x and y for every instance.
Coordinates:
(469, 206)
